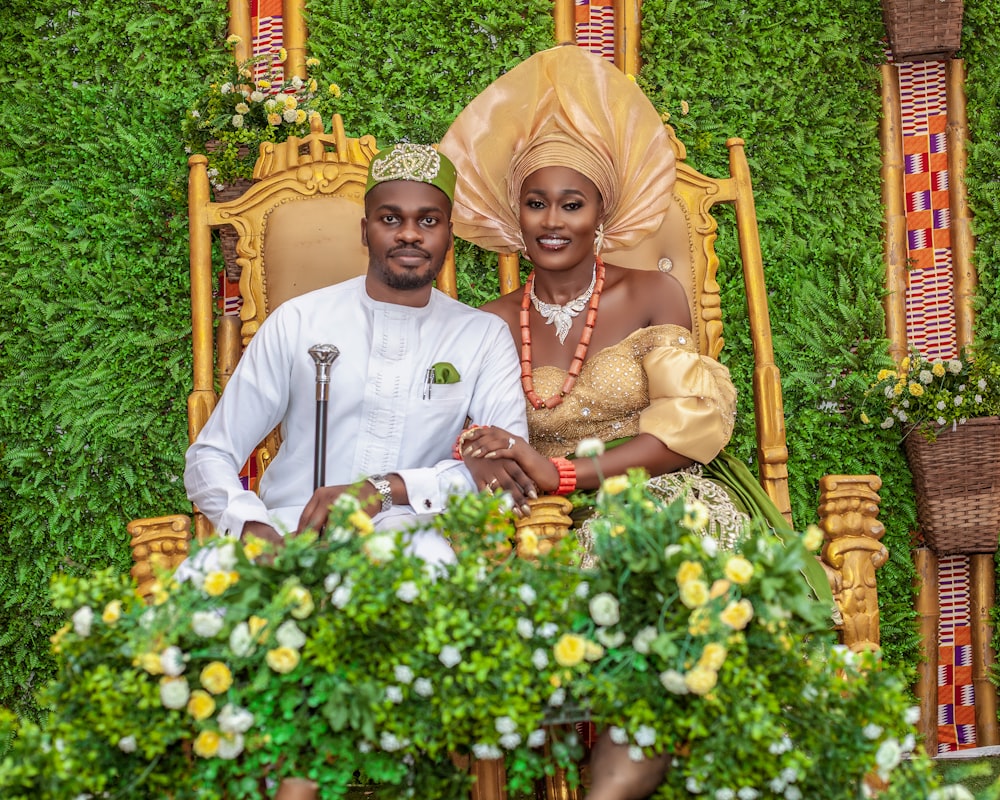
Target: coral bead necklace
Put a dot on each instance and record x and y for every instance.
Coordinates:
(527, 382)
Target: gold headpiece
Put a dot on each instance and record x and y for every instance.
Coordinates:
(562, 107)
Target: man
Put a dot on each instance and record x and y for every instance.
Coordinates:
(413, 366)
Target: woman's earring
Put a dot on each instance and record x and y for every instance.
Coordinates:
(599, 239)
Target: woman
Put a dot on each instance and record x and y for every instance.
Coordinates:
(564, 160)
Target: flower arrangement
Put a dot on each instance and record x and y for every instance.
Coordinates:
(344, 653)
(236, 113)
(931, 395)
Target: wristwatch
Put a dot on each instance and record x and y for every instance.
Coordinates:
(382, 486)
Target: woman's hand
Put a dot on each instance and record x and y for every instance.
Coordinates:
(492, 443)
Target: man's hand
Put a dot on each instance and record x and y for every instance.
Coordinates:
(266, 533)
(503, 475)
(317, 510)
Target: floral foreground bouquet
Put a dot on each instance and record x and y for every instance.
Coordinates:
(931, 395)
(346, 654)
(236, 113)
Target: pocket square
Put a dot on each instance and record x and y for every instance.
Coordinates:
(445, 373)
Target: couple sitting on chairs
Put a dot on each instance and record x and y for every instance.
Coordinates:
(562, 159)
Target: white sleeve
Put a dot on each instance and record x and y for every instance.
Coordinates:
(253, 402)
(497, 400)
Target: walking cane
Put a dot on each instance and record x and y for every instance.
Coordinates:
(324, 355)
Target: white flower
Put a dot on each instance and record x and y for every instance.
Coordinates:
(289, 114)
(673, 681)
(240, 640)
(978, 398)
(510, 740)
(539, 659)
(257, 96)
(423, 687)
(450, 656)
(526, 593)
(233, 719)
(789, 774)
(364, 747)
(953, 792)
(536, 738)
(886, 423)
(942, 421)
(290, 635)
(206, 623)
(608, 639)
(338, 534)
(776, 785)
(225, 554)
(671, 550)
(557, 698)
(940, 405)
(959, 399)
(127, 744)
(408, 591)
(692, 785)
(643, 639)
(82, 621)
(389, 743)
(793, 793)
(645, 736)
(604, 609)
(403, 673)
(781, 746)
(226, 88)
(887, 757)
(172, 661)
(635, 753)
(912, 715)
(230, 746)
(393, 694)
(147, 618)
(504, 725)
(589, 448)
(725, 794)
(582, 590)
(954, 366)
(296, 82)
(174, 692)
(710, 545)
(872, 731)
(524, 628)
(486, 752)
(618, 735)
(379, 547)
(547, 630)
(748, 793)
(925, 376)
(195, 113)
(341, 596)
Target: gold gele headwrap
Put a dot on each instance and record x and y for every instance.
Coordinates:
(412, 162)
(561, 107)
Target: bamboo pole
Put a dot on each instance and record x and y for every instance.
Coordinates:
(239, 25)
(982, 580)
(962, 240)
(894, 223)
(564, 14)
(928, 615)
(628, 17)
(293, 27)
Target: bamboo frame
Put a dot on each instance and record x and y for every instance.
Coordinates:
(962, 240)
(982, 580)
(929, 615)
(894, 223)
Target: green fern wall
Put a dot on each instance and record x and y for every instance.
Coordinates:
(95, 333)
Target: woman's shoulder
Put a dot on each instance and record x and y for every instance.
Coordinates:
(507, 307)
(657, 298)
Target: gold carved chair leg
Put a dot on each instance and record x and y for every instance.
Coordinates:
(848, 510)
(159, 543)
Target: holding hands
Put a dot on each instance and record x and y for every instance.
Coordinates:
(501, 461)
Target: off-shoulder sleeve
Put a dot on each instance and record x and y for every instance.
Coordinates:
(692, 401)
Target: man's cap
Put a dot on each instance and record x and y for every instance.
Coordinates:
(412, 162)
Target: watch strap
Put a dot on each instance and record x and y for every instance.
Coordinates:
(381, 485)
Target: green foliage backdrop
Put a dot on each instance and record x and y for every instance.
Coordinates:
(94, 344)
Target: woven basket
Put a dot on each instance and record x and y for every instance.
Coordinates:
(957, 478)
(923, 30)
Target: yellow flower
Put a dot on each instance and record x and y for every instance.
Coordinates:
(362, 522)
(300, 116)
(256, 625)
(616, 484)
(712, 656)
(282, 659)
(695, 515)
(701, 680)
(737, 615)
(569, 650)
(57, 637)
(216, 677)
(312, 62)
(592, 651)
(312, 85)
(938, 369)
(885, 373)
(233, 39)
(274, 119)
(151, 663)
(916, 390)
(904, 365)
(685, 107)
(616, 530)
(335, 90)
(665, 116)
(160, 593)
(253, 547)
(864, 418)
(207, 744)
(689, 571)
(216, 582)
(630, 76)
(112, 612)
(813, 538)
(282, 55)
(264, 85)
(291, 102)
(201, 705)
(719, 588)
(700, 623)
(694, 594)
(303, 600)
(739, 570)
(527, 543)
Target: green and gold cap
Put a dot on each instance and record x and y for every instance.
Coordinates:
(412, 162)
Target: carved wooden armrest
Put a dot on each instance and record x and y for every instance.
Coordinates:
(160, 543)
(848, 511)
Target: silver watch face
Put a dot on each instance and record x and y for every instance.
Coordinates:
(383, 487)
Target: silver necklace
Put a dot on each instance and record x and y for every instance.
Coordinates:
(562, 316)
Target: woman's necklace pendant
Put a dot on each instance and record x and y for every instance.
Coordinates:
(562, 316)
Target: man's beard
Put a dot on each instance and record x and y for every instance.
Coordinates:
(408, 280)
